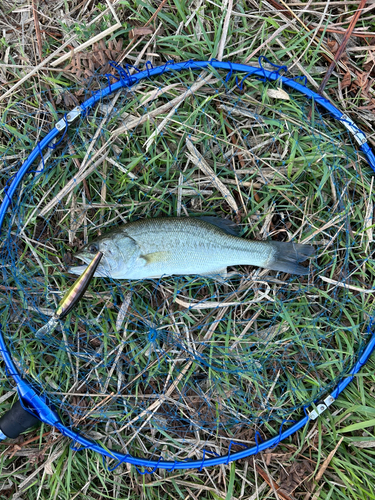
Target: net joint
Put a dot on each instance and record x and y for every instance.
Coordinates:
(74, 114)
(61, 124)
(69, 118)
(321, 407)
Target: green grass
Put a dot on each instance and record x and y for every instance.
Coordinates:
(300, 170)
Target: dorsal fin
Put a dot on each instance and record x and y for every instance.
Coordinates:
(225, 225)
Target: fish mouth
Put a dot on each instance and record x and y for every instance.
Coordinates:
(101, 270)
(85, 258)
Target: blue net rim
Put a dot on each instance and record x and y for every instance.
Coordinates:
(126, 80)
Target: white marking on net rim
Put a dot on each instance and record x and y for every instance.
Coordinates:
(359, 136)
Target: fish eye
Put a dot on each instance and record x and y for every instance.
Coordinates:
(93, 248)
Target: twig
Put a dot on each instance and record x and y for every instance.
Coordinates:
(245, 330)
(37, 29)
(342, 32)
(28, 441)
(151, 139)
(326, 53)
(96, 407)
(342, 46)
(179, 194)
(79, 167)
(266, 42)
(369, 217)
(25, 66)
(84, 171)
(156, 13)
(162, 109)
(292, 14)
(110, 6)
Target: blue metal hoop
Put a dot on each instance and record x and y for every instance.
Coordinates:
(125, 80)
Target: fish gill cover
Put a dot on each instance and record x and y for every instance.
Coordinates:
(186, 367)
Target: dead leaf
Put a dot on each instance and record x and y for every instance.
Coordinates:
(362, 80)
(298, 473)
(272, 483)
(370, 61)
(333, 46)
(327, 461)
(87, 63)
(346, 81)
(278, 94)
(48, 469)
(135, 32)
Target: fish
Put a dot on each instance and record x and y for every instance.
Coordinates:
(183, 246)
(71, 297)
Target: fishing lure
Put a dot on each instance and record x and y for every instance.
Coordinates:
(71, 298)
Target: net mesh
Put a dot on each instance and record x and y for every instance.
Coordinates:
(177, 365)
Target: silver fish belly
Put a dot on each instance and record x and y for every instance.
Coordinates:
(152, 248)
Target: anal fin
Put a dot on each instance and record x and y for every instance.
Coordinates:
(218, 274)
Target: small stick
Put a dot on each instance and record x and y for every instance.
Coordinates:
(342, 46)
(342, 32)
(96, 407)
(345, 285)
(85, 171)
(245, 330)
(25, 66)
(110, 6)
(28, 441)
(37, 29)
(91, 167)
(156, 12)
(287, 15)
(179, 194)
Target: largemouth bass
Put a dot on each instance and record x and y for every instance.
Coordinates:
(151, 248)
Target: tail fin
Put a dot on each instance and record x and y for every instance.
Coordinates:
(287, 255)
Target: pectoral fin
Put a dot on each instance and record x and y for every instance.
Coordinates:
(156, 257)
(145, 262)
